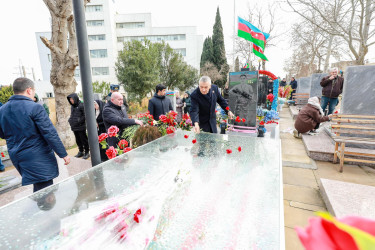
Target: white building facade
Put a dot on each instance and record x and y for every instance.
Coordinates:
(107, 31)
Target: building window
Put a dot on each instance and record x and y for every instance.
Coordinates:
(49, 57)
(77, 72)
(100, 71)
(49, 94)
(181, 51)
(98, 53)
(96, 37)
(130, 25)
(95, 23)
(94, 8)
(178, 37)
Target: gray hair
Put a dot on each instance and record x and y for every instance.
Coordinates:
(334, 69)
(21, 84)
(205, 79)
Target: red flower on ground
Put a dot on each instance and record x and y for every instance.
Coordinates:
(336, 112)
(113, 130)
(238, 119)
(239, 149)
(137, 214)
(102, 137)
(186, 136)
(194, 141)
(243, 120)
(229, 151)
(122, 144)
(261, 123)
(127, 150)
(227, 108)
(111, 152)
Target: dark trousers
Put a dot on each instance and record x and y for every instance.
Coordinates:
(40, 185)
(82, 141)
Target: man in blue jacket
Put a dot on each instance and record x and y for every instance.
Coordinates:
(203, 104)
(31, 137)
(159, 104)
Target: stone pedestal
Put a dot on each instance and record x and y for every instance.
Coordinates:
(358, 96)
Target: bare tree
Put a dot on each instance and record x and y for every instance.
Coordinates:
(64, 54)
(351, 20)
(209, 69)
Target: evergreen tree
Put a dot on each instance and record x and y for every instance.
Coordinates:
(207, 52)
(218, 48)
(237, 65)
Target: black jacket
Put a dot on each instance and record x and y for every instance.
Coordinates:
(332, 88)
(294, 84)
(77, 114)
(116, 115)
(282, 83)
(203, 108)
(99, 119)
(270, 87)
(159, 105)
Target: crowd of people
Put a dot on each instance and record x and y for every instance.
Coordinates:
(32, 139)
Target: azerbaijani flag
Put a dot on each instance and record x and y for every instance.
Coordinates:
(251, 33)
(259, 52)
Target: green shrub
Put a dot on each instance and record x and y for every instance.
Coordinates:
(5, 93)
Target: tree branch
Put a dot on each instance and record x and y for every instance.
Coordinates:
(54, 49)
(51, 5)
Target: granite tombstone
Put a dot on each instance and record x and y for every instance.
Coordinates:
(304, 85)
(243, 96)
(358, 95)
(316, 89)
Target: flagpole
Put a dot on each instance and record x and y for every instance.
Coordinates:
(234, 32)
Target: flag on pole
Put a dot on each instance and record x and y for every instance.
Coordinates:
(259, 52)
(251, 33)
(247, 66)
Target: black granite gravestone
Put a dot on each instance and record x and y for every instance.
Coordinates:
(243, 96)
(316, 89)
(304, 85)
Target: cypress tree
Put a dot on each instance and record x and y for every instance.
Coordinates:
(237, 65)
(207, 52)
(219, 57)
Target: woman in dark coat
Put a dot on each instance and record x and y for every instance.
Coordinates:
(187, 102)
(310, 117)
(99, 105)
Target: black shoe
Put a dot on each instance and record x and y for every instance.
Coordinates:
(80, 154)
(2, 170)
(86, 156)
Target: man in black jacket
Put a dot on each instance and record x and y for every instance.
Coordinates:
(78, 125)
(114, 113)
(203, 104)
(293, 84)
(283, 83)
(159, 104)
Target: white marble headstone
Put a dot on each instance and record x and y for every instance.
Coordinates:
(358, 96)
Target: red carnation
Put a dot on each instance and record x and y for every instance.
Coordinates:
(123, 144)
(194, 141)
(111, 152)
(113, 130)
(227, 108)
(186, 136)
(336, 112)
(127, 150)
(261, 123)
(229, 151)
(136, 219)
(239, 149)
(243, 120)
(238, 119)
(170, 130)
(102, 137)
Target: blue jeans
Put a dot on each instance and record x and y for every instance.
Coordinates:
(2, 167)
(332, 104)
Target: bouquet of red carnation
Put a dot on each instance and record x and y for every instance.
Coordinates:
(186, 123)
(112, 152)
(147, 118)
(270, 98)
(167, 120)
(285, 92)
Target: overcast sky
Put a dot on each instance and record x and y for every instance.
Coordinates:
(20, 20)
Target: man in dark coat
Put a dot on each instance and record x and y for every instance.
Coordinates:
(270, 86)
(77, 123)
(332, 88)
(31, 137)
(159, 104)
(99, 105)
(293, 84)
(203, 104)
(283, 83)
(114, 113)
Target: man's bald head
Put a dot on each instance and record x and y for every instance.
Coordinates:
(117, 98)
